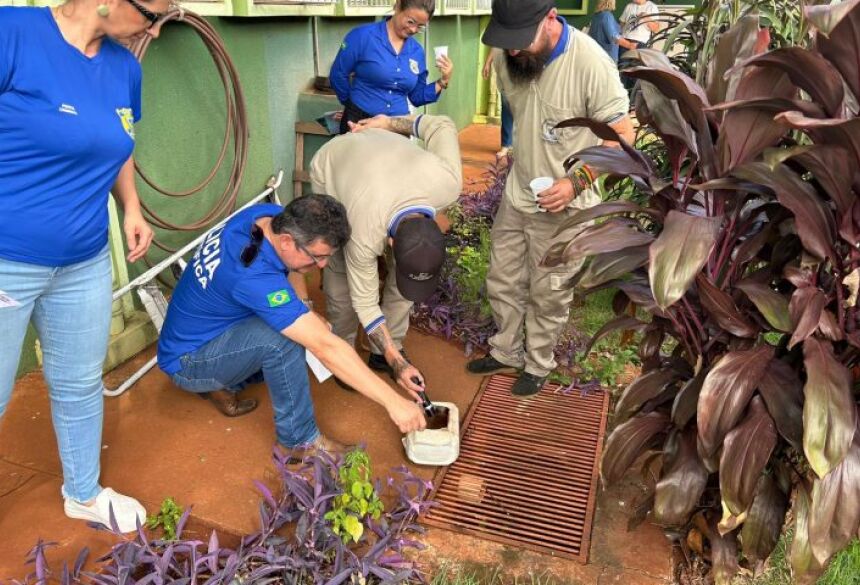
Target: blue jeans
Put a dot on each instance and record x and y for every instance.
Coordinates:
(507, 124)
(235, 358)
(71, 309)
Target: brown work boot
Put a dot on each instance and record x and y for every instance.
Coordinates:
(321, 443)
(229, 404)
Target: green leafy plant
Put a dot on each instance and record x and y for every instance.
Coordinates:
(167, 518)
(746, 253)
(606, 364)
(844, 569)
(471, 257)
(358, 500)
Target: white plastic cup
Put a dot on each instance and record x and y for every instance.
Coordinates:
(538, 186)
(441, 51)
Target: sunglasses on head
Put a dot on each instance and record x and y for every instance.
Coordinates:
(249, 253)
(148, 14)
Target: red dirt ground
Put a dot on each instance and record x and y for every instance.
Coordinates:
(160, 441)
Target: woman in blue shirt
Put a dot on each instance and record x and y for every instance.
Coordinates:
(69, 98)
(387, 66)
(604, 28)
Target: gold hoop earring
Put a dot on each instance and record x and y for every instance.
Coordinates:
(103, 10)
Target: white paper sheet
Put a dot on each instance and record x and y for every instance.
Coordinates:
(321, 372)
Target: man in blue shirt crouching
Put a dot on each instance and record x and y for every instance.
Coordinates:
(235, 315)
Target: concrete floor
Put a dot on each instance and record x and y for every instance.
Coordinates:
(162, 442)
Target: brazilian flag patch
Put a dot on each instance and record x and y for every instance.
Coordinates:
(278, 298)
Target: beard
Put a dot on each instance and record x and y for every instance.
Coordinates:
(525, 67)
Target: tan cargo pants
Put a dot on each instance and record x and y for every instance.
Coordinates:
(341, 315)
(530, 303)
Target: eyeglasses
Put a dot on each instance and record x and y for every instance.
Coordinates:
(149, 15)
(249, 253)
(317, 259)
(412, 23)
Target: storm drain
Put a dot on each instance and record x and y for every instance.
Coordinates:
(527, 471)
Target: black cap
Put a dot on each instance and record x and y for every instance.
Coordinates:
(419, 251)
(514, 23)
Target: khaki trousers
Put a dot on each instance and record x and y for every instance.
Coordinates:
(342, 316)
(530, 303)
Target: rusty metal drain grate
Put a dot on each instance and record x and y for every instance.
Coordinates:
(527, 471)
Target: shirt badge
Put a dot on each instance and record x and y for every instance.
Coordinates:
(127, 119)
(413, 66)
(278, 298)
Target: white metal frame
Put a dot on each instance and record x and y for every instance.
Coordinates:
(160, 305)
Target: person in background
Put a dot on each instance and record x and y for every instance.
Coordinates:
(636, 26)
(395, 193)
(604, 29)
(549, 72)
(380, 68)
(70, 96)
(507, 118)
(240, 313)
(636, 29)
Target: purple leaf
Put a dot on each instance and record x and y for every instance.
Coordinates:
(828, 412)
(746, 451)
(679, 253)
(726, 392)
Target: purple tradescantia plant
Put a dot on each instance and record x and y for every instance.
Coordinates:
(454, 312)
(311, 553)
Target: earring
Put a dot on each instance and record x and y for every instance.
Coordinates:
(103, 10)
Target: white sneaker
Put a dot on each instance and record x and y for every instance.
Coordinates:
(505, 151)
(126, 510)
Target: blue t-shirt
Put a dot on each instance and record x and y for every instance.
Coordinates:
(66, 129)
(384, 80)
(217, 291)
(605, 30)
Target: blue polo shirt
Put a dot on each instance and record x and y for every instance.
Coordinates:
(384, 82)
(605, 30)
(66, 129)
(216, 290)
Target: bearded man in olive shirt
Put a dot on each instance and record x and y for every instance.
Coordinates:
(548, 72)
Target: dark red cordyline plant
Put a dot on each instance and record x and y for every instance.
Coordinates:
(746, 257)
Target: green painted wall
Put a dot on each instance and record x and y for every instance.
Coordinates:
(462, 36)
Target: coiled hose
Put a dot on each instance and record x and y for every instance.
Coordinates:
(236, 129)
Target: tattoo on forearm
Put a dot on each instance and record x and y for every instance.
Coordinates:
(381, 340)
(402, 125)
(399, 366)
